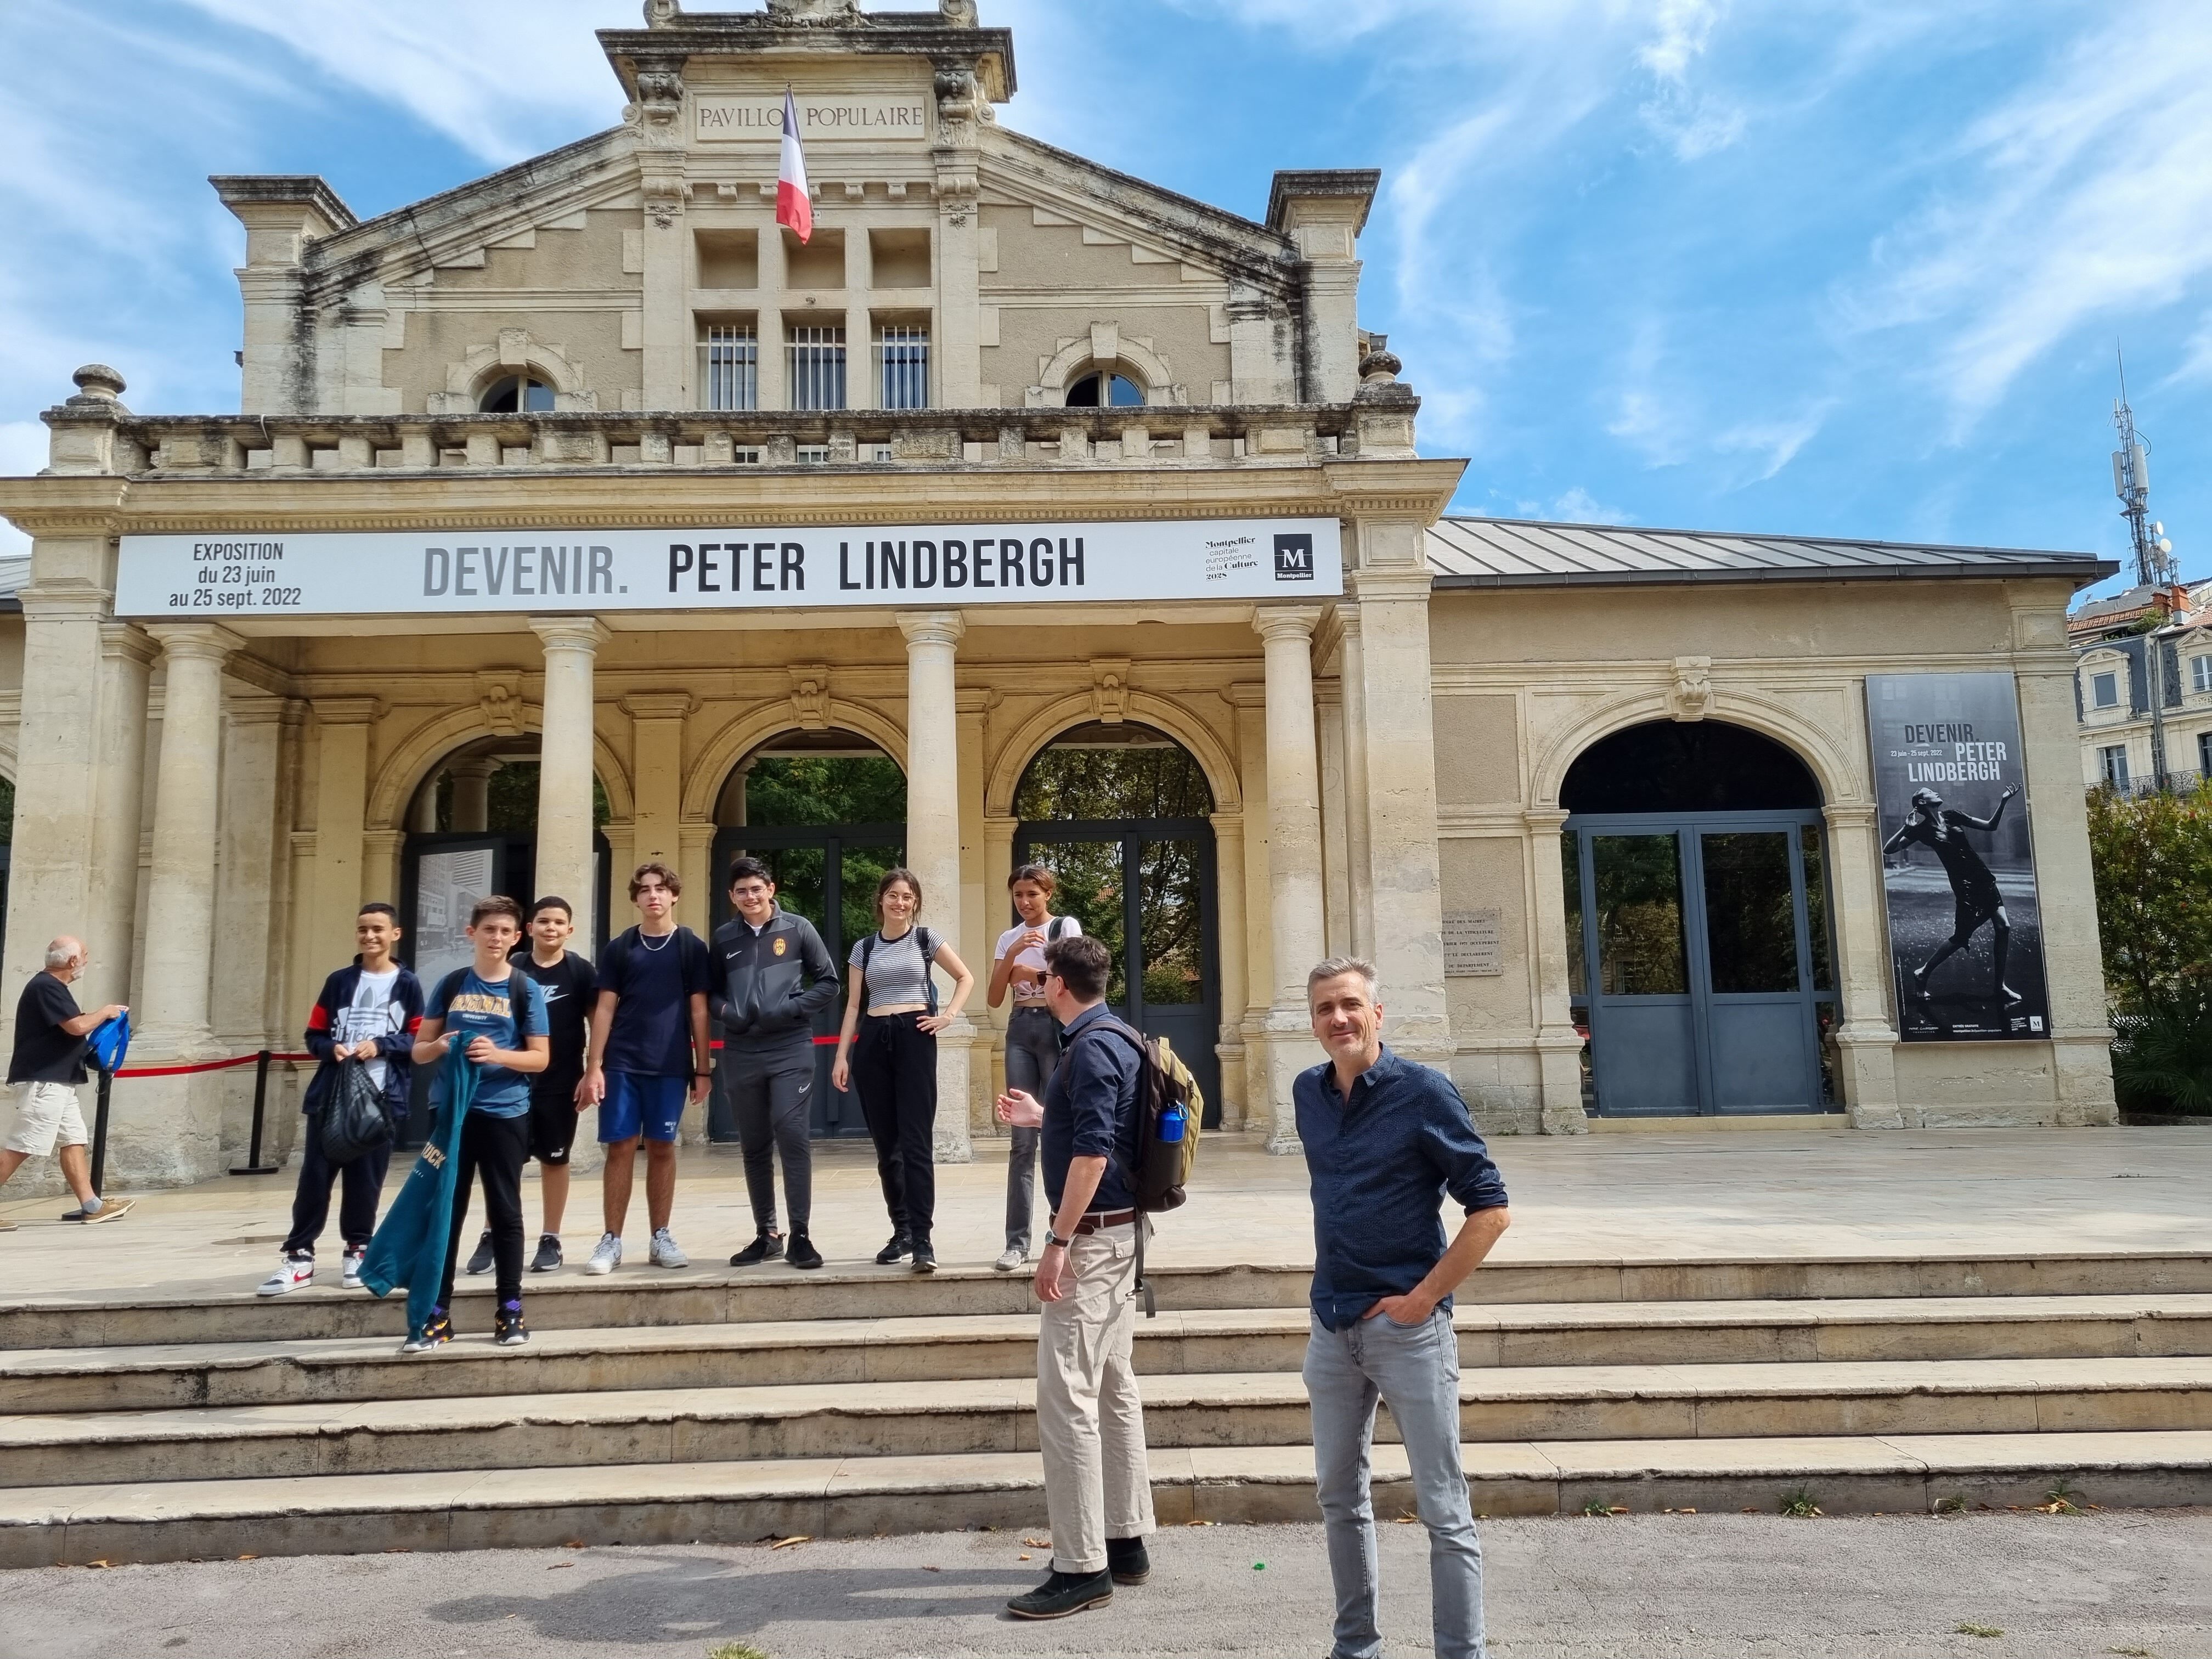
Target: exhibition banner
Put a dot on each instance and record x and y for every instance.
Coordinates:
(1966, 931)
(539, 569)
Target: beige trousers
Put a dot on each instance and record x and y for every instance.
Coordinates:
(1090, 1422)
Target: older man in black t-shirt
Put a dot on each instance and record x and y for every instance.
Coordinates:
(47, 1064)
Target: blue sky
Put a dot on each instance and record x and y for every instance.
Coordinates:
(1849, 267)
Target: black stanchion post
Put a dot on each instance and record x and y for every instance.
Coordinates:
(100, 1132)
(253, 1165)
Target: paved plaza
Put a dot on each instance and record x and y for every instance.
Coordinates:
(1784, 1192)
(1649, 1587)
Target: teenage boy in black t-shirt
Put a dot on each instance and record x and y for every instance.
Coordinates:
(570, 987)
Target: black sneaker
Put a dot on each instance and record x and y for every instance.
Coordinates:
(437, 1331)
(1127, 1561)
(481, 1261)
(801, 1252)
(762, 1246)
(925, 1256)
(1064, 1593)
(900, 1247)
(509, 1332)
(549, 1254)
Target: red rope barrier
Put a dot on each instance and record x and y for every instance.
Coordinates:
(202, 1066)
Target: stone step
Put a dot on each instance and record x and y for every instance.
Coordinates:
(560, 1361)
(933, 1418)
(832, 1497)
(638, 1296)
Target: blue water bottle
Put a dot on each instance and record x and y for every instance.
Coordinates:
(1171, 1123)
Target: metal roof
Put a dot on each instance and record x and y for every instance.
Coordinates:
(1527, 553)
(15, 576)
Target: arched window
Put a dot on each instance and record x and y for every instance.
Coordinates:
(516, 394)
(1104, 389)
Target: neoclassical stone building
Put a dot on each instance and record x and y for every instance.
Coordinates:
(586, 472)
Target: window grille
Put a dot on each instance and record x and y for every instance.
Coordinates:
(902, 366)
(816, 368)
(730, 366)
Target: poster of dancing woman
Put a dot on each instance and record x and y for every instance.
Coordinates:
(1966, 931)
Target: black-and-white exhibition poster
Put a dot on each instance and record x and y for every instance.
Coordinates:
(1958, 863)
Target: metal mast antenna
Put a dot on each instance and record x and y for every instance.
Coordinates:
(2154, 565)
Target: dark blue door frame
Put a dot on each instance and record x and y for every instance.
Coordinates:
(1702, 1051)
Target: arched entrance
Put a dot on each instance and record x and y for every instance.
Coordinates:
(472, 830)
(1120, 814)
(1698, 940)
(826, 811)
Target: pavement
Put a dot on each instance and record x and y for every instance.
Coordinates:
(1645, 1586)
(1806, 1188)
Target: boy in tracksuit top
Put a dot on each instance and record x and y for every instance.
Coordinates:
(772, 975)
(367, 1011)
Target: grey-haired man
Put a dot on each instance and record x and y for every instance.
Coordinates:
(1385, 1140)
(47, 1064)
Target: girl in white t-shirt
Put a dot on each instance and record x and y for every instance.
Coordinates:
(1032, 1034)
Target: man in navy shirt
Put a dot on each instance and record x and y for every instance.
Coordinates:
(1385, 1139)
(1090, 1422)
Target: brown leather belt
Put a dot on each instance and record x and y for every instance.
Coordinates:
(1093, 1220)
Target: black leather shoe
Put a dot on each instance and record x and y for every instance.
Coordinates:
(925, 1256)
(766, 1245)
(1064, 1593)
(801, 1253)
(900, 1247)
(1127, 1561)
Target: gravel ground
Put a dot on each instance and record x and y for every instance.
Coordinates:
(1644, 1587)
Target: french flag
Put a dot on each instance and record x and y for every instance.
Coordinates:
(793, 207)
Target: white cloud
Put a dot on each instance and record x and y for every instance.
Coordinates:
(2196, 364)
(1773, 444)
(1578, 505)
(2084, 197)
(504, 79)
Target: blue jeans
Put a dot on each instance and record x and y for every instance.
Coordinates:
(1414, 1370)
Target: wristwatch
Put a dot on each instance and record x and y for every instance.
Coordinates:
(1052, 1237)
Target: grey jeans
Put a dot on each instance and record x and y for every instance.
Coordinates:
(771, 1096)
(1032, 1056)
(1413, 1370)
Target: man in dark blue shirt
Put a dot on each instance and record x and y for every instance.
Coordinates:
(1385, 1139)
(1091, 1421)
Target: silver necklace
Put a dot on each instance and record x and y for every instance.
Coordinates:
(642, 936)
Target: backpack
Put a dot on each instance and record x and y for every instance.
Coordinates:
(353, 1119)
(518, 993)
(929, 944)
(1169, 1105)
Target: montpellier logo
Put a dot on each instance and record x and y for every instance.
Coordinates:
(1294, 558)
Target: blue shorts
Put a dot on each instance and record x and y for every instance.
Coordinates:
(637, 1103)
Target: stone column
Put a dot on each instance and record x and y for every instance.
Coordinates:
(249, 886)
(1336, 863)
(1866, 1042)
(1403, 926)
(565, 864)
(1558, 1045)
(701, 880)
(995, 913)
(119, 758)
(472, 793)
(422, 814)
(933, 836)
(1257, 992)
(170, 1128)
(1356, 802)
(341, 815)
(1296, 912)
(978, 913)
(657, 766)
(1229, 884)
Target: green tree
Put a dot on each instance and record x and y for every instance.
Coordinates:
(2152, 855)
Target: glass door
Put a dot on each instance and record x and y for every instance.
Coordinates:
(1145, 888)
(1643, 1030)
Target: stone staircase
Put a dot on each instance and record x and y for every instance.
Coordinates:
(657, 1407)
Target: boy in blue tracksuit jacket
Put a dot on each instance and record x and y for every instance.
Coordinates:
(368, 1011)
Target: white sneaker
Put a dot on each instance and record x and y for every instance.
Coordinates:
(294, 1272)
(1011, 1262)
(354, 1256)
(607, 1257)
(666, 1252)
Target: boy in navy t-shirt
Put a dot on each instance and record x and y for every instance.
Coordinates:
(499, 1015)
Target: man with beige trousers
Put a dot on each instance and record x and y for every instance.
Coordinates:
(1091, 1421)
